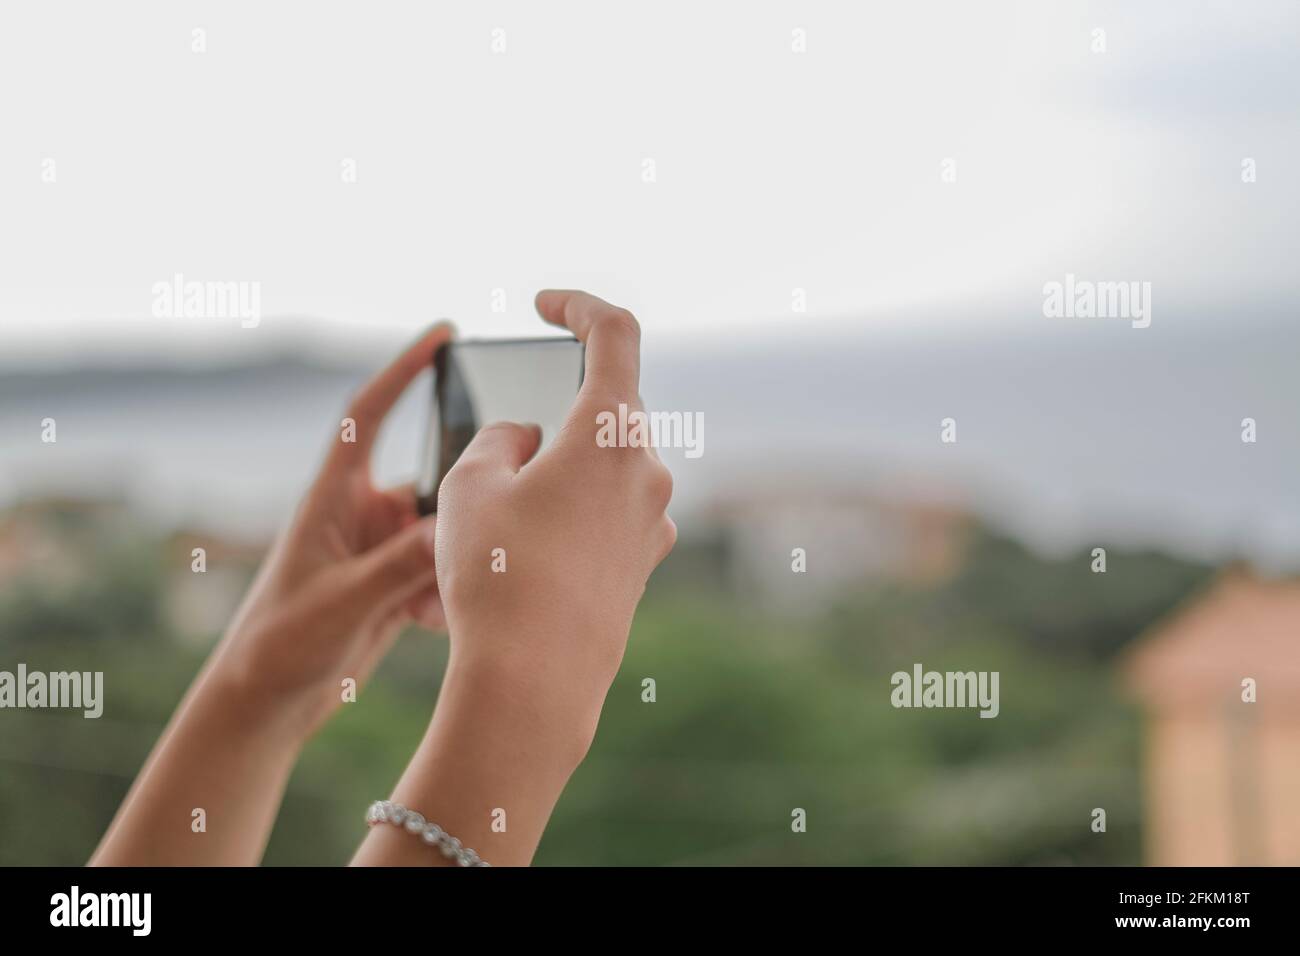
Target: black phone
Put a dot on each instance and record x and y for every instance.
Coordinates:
(478, 381)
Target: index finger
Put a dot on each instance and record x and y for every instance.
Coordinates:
(378, 396)
(611, 334)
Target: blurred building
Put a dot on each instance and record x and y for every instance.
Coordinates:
(63, 545)
(54, 537)
(198, 605)
(1222, 774)
(847, 538)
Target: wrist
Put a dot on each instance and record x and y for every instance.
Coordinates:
(498, 749)
(531, 704)
(243, 700)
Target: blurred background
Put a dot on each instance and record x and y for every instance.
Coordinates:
(835, 225)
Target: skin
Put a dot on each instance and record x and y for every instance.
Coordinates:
(533, 650)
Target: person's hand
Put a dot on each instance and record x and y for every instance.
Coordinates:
(355, 565)
(579, 527)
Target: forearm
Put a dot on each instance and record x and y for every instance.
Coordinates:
(223, 753)
(489, 770)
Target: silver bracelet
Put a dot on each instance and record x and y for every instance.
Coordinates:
(385, 811)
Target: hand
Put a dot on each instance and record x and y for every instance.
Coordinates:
(354, 567)
(535, 647)
(580, 528)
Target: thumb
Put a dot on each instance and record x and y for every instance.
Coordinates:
(503, 445)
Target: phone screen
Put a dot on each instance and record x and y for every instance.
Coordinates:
(476, 382)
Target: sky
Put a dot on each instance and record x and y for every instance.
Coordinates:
(835, 222)
(500, 148)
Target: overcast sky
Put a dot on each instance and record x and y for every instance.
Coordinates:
(774, 170)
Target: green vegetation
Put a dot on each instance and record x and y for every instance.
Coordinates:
(756, 714)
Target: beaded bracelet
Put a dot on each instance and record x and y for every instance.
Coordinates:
(385, 811)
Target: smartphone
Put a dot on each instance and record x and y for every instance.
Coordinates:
(479, 381)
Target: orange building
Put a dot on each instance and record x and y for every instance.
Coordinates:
(1222, 773)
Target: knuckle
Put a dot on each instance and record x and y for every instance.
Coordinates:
(450, 488)
(495, 434)
(668, 539)
(661, 483)
(619, 321)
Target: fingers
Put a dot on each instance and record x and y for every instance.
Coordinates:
(377, 396)
(501, 446)
(426, 610)
(611, 334)
(401, 501)
(389, 574)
